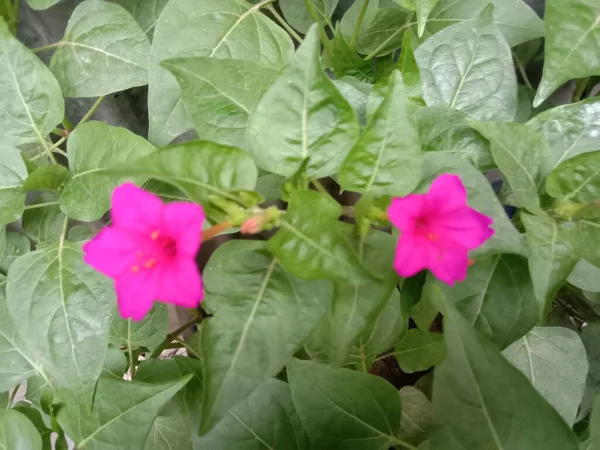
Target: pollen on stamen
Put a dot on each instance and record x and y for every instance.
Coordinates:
(154, 235)
(150, 263)
(135, 269)
(139, 254)
(433, 236)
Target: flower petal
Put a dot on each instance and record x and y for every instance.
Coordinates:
(446, 194)
(181, 284)
(112, 251)
(183, 222)
(449, 265)
(136, 293)
(136, 209)
(403, 212)
(464, 227)
(411, 257)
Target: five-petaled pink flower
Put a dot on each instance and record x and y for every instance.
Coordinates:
(437, 230)
(149, 251)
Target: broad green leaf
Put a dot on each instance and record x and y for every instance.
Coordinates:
(51, 177)
(481, 197)
(12, 175)
(355, 307)
(61, 309)
(381, 29)
(31, 102)
(478, 76)
(17, 432)
(346, 62)
(145, 12)
(425, 310)
(219, 94)
(356, 93)
(4, 400)
(570, 130)
(419, 350)
(386, 160)
(515, 19)
(524, 98)
(590, 335)
(365, 409)
(200, 169)
(552, 258)
(230, 29)
(121, 416)
(115, 363)
(103, 51)
(302, 115)
(44, 224)
(42, 4)
(266, 419)
(35, 416)
(480, 401)
(554, 361)
(149, 332)
(424, 8)
(417, 416)
(585, 276)
(571, 46)
(497, 298)
(407, 64)
(92, 148)
(442, 129)
(522, 156)
(594, 441)
(587, 236)
(269, 186)
(245, 343)
(296, 13)
(577, 179)
(311, 243)
(16, 245)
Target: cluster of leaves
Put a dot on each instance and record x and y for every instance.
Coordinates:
(378, 96)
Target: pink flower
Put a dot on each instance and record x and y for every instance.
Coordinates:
(437, 229)
(149, 251)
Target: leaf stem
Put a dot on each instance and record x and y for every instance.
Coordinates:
(46, 47)
(130, 350)
(359, 22)
(58, 144)
(312, 12)
(284, 24)
(215, 230)
(523, 73)
(41, 205)
(59, 132)
(60, 152)
(92, 110)
(174, 335)
(317, 184)
(68, 126)
(580, 88)
(404, 444)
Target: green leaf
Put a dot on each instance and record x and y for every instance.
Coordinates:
(302, 115)
(356, 93)
(297, 15)
(122, 413)
(42, 4)
(16, 245)
(61, 309)
(115, 364)
(442, 129)
(149, 332)
(552, 258)
(267, 419)
(44, 224)
(590, 335)
(424, 8)
(570, 130)
(425, 310)
(381, 29)
(478, 77)
(571, 48)
(92, 148)
(103, 51)
(515, 19)
(17, 432)
(577, 179)
(387, 158)
(269, 186)
(231, 29)
(587, 235)
(480, 401)
(12, 175)
(145, 12)
(417, 416)
(481, 197)
(35, 416)
(364, 408)
(355, 307)
(311, 243)
(497, 298)
(346, 62)
(554, 361)
(407, 64)
(201, 170)
(419, 350)
(585, 276)
(219, 94)
(47, 178)
(522, 156)
(31, 101)
(244, 343)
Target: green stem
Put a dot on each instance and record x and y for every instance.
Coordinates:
(580, 88)
(66, 123)
(317, 184)
(60, 152)
(41, 205)
(312, 12)
(523, 73)
(359, 22)
(130, 350)
(12, 397)
(284, 24)
(17, 10)
(174, 336)
(46, 47)
(58, 144)
(189, 349)
(59, 132)
(92, 110)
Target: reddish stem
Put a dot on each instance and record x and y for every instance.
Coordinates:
(215, 230)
